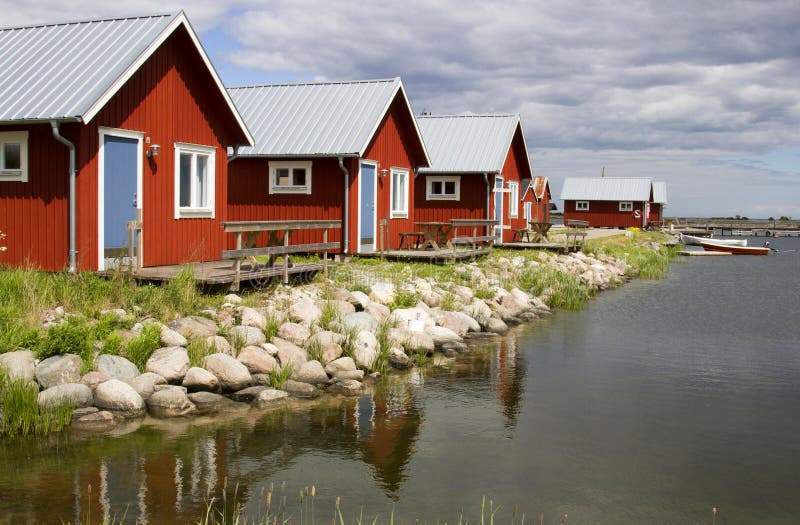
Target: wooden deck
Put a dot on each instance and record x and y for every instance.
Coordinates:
(550, 246)
(430, 256)
(222, 272)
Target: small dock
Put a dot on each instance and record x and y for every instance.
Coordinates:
(549, 246)
(443, 256)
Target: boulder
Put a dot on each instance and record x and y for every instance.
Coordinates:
(358, 375)
(200, 380)
(269, 396)
(342, 307)
(146, 384)
(171, 363)
(311, 372)
(346, 387)
(247, 395)
(100, 421)
(398, 359)
(261, 379)
(366, 348)
(456, 346)
(305, 311)
(495, 325)
(94, 378)
(194, 326)
(411, 341)
(19, 365)
(331, 352)
(294, 333)
(382, 293)
(208, 402)
(170, 337)
(415, 319)
(360, 321)
(58, 370)
(116, 367)
(457, 322)
(302, 390)
(340, 365)
(77, 394)
(377, 311)
(232, 374)
(271, 349)
(464, 293)
(119, 397)
(232, 298)
(170, 402)
(252, 317)
(477, 308)
(257, 360)
(359, 299)
(441, 335)
(218, 344)
(290, 354)
(247, 336)
(325, 337)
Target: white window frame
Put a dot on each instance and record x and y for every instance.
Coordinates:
(14, 137)
(513, 199)
(581, 205)
(290, 165)
(625, 206)
(429, 195)
(192, 212)
(398, 213)
(528, 211)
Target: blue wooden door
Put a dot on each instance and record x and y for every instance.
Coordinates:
(119, 194)
(367, 208)
(498, 205)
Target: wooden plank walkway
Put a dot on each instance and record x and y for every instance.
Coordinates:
(550, 246)
(429, 256)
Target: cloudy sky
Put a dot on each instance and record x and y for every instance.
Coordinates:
(702, 94)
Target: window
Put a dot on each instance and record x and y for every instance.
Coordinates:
(194, 181)
(625, 206)
(513, 199)
(443, 188)
(290, 177)
(581, 205)
(528, 211)
(14, 156)
(399, 193)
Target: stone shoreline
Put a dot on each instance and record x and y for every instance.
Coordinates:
(308, 360)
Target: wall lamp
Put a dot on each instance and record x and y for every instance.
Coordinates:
(152, 151)
(384, 171)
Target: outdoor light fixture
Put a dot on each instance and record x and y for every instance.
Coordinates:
(152, 150)
(384, 171)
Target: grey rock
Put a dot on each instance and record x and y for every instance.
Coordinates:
(302, 390)
(194, 326)
(116, 367)
(170, 337)
(358, 375)
(411, 317)
(342, 307)
(20, 365)
(382, 293)
(331, 352)
(290, 354)
(366, 348)
(441, 335)
(378, 311)
(58, 370)
(232, 374)
(247, 395)
(218, 344)
(94, 378)
(325, 337)
(146, 384)
(232, 298)
(199, 379)
(458, 322)
(100, 421)
(252, 317)
(455, 345)
(305, 311)
(311, 372)
(360, 300)
(170, 402)
(208, 402)
(171, 363)
(247, 336)
(360, 321)
(294, 333)
(498, 326)
(270, 396)
(85, 411)
(78, 395)
(119, 397)
(343, 364)
(261, 380)
(257, 360)
(347, 387)
(398, 359)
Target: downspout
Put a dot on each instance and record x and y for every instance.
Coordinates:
(345, 214)
(72, 174)
(235, 154)
(488, 203)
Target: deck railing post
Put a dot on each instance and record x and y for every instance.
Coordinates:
(237, 265)
(286, 258)
(325, 253)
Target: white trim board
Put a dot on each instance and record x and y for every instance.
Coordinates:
(358, 203)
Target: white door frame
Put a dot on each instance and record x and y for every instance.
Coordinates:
(101, 186)
(374, 199)
(498, 230)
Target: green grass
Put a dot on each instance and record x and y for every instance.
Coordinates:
(330, 316)
(139, 349)
(381, 362)
(74, 336)
(198, 350)
(314, 350)
(279, 376)
(22, 415)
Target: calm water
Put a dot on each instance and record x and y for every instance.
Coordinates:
(660, 401)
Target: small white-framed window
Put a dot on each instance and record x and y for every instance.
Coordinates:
(513, 199)
(443, 188)
(194, 181)
(528, 211)
(290, 177)
(625, 206)
(581, 205)
(399, 191)
(14, 156)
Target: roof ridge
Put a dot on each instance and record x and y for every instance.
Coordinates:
(321, 83)
(472, 115)
(90, 21)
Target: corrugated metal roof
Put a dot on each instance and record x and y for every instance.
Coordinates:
(606, 189)
(315, 119)
(660, 192)
(467, 143)
(69, 71)
(59, 71)
(540, 185)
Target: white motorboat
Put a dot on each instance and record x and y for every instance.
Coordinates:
(691, 240)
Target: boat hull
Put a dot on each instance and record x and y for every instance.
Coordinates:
(735, 250)
(691, 240)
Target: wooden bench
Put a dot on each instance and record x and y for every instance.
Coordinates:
(521, 234)
(247, 233)
(473, 240)
(406, 238)
(574, 223)
(474, 225)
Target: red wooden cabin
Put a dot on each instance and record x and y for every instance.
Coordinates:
(478, 165)
(135, 110)
(608, 201)
(656, 215)
(536, 198)
(339, 150)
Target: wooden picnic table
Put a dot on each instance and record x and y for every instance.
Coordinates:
(436, 234)
(475, 225)
(540, 230)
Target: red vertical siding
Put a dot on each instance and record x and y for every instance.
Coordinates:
(605, 214)
(515, 168)
(471, 205)
(655, 213)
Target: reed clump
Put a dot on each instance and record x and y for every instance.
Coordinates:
(22, 415)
